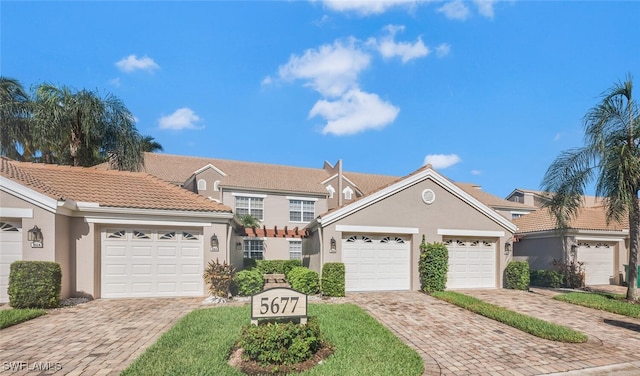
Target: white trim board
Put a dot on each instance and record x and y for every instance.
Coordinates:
(299, 198)
(254, 195)
(214, 168)
(115, 221)
(377, 229)
(16, 213)
(27, 194)
(481, 233)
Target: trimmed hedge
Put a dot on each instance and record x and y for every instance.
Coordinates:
(516, 275)
(433, 266)
(277, 266)
(248, 282)
(332, 283)
(304, 280)
(546, 278)
(277, 343)
(34, 284)
(248, 263)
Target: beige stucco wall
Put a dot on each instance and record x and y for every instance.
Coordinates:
(539, 252)
(407, 210)
(85, 254)
(210, 176)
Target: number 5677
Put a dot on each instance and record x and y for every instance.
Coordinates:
(278, 305)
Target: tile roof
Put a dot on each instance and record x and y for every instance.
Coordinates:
(107, 188)
(489, 199)
(589, 201)
(178, 169)
(588, 218)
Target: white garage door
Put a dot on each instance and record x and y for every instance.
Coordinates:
(598, 262)
(472, 263)
(151, 263)
(10, 251)
(376, 263)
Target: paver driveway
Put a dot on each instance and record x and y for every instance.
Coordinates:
(454, 341)
(100, 337)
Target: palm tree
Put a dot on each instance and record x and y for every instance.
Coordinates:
(14, 119)
(612, 155)
(150, 145)
(82, 129)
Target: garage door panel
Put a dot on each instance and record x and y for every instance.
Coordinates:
(167, 251)
(141, 251)
(141, 270)
(471, 263)
(598, 262)
(190, 252)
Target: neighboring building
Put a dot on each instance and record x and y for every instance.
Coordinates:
(537, 199)
(602, 247)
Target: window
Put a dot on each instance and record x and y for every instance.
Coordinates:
(331, 191)
(348, 193)
(250, 205)
(253, 249)
(216, 186)
(140, 235)
(117, 234)
(295, 250)
(516, 215)
(301, 211)
(202, 185)
(189, 236)
(168, 236)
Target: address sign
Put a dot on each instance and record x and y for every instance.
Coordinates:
(279, 302)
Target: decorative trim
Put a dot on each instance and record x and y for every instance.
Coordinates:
(599, 239)
(137, 222)
(16, 213)
(425, 196)
(254, 195)
(301, 198)
(481, 233)
(335, 177)
(378, 229)
(209, 166)
(31, 196)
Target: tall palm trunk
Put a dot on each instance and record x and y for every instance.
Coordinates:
(634, 233)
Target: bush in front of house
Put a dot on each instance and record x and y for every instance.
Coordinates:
(277, 266)
(332, 283)
(516, 275)
(34, 284)
(219, 277)
(433, 266)
(304, 280)
(546, 278)
(573, 272)
(248, 263)
(248, 282)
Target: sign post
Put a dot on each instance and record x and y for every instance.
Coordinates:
(279, 302)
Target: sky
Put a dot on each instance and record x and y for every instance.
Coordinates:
(488, 92)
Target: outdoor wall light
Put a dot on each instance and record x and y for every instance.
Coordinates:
(574, 250)
(507, 248)
(214, 243)
(35, 237)
(239, 246)
(333, 245)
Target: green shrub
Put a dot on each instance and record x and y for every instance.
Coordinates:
(546, 278)
(304, 280)
(277, 266)
(433, 266)
(276, 343)
(516, 275)
(333, 279)
(34, 284)
(248, 282)
(219, 277)
(573, 273)
(248, 263)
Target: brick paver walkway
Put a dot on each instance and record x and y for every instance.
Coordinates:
(101, 337)
(454, 341)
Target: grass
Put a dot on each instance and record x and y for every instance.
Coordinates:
(528, 324)
(605, 302)
(9, 317)
(200, 343)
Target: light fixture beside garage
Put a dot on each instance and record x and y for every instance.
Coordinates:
(214, 243)
(507, 248)
(332, 245)
(428, 196)
(35, 237)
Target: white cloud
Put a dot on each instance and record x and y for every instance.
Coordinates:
(182, 118)
(368, 7)
(115, 82)
(389, 48)
(356, 111)
(441, 161)
(557, 137)
(331, 69)
(485, 7)
(455, 10)
(443, 50)
(131, 63)
(267, 81)
(476, 172)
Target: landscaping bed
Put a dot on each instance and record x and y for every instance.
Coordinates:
(605, 302)
(9, 317)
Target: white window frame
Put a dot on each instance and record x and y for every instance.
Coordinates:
(202, 185)
(252, 208)
(295, 249)
(331, 190)
(348, 193)
(247, 250)
(301, 209)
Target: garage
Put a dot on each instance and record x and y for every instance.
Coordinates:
(598, 261)
(472, 263)
(376, 263)
(139, 262)
(10, 251)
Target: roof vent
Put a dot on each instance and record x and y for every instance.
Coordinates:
(428, 196)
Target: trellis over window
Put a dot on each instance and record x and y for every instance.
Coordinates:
(250, 205)
(301, 210)
(274, 232)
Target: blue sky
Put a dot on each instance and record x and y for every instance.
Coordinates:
(488, 92)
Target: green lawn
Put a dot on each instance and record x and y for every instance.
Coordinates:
(12, 316)
(605, 302)
(200, 343)
(528, 324)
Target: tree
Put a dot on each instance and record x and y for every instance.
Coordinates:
(14, 118)
(150, 145)
(611, 154)
(82, 129)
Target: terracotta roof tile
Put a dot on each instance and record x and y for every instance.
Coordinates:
(588, 218)
(108, 188)
(489, 199)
